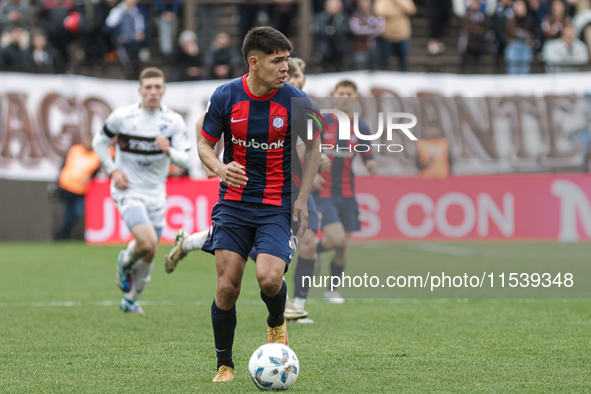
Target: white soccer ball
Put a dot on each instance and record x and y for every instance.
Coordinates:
(274, 366)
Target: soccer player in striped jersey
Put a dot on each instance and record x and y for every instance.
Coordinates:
(294, 310)
(149, 137)
(253, 113)
(336, 199)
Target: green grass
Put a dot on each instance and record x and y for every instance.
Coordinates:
(61, 331)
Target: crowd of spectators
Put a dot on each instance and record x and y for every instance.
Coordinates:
(366, 34)
(518, 31)
(37, 35)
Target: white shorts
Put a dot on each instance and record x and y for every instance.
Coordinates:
(136, 210)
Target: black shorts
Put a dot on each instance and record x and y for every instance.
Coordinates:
(238, 226)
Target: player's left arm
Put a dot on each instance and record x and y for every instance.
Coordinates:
(370, 162)
(325, 163)
(309, 171)
(178, 147)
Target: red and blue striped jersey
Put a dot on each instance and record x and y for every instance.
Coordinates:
(257, 134)
(339, 180)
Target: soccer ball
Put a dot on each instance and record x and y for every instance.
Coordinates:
(274, 366)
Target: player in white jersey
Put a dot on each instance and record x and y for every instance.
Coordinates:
(149, 137)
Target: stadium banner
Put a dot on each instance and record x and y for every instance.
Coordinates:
(41, 116)
(476, 208)
(188, 206)
(545, 207)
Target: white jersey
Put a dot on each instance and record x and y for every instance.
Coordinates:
(137, 155)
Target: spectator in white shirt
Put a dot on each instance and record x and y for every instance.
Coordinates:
(565, 54)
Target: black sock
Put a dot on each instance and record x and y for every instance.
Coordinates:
(253, 254)
(275, 306)
(224, 324)
(336, 270)
(305, 267)
(319, 247)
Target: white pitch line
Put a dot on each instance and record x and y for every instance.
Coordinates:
(111, 303)
(313, 301)
(455, 250)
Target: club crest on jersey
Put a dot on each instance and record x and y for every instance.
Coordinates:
(278, 122)
(163, 127)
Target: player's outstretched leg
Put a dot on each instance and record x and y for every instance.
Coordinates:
(277, 327)
(292, 312)
(183, 244)
(304, 268)
(333, 296)
(137, 262)
(276, 330)
(130, 306)
(335, 238)
(224, 325)
(230, 269)
(141, 276)
(125, 261)
(176, 254)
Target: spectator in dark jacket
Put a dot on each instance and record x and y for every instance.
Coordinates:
(332, 35)
(221, 58)
(473, 36)
(188, 61)
(52, 14)
(14, 13)
(13, 58)
(553, 24)
(43, 54)
(93, 16)
(281, 14)
(503, 12)
(365, 27)
(438, 17)
(520, 39)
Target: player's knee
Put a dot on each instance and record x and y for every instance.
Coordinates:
(270, 285)
(228, 291)
(340, 241)
(146, 247)
(307, 245)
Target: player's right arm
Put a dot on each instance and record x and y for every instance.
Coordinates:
(232, 174)
(100, 144)
(199, 126)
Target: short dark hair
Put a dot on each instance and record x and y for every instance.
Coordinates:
(151, 72)
(294, 63)
(346, 83)
(264, 39)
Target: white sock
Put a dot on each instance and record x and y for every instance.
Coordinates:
(194, 241)
(130, 256)
(141, 276)
(299, 302)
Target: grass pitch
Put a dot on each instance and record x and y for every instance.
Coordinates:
(61, 331)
